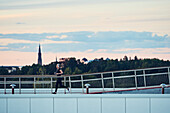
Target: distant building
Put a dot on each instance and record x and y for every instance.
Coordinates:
(39, 56)
(107, 59)
(10, 68)
(56, 60)
(62, 60)
(84, 60)
(125, 58)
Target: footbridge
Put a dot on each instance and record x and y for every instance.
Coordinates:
(113, 81)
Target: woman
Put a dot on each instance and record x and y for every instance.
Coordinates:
(59, 72)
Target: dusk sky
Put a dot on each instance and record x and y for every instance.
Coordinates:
(83, 28)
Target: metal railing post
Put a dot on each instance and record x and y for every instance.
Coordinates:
(82, 83)
(51, 85)
(102, 81)
(169, 74)
(34, 85)
(144, 77)
(19, 85)
(136, 80)
(4, 85)
(65, 81)
(113, 80)
(64, 85)
(70, 83)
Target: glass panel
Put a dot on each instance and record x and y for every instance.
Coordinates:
(76, 78)
(27, 86)
(124, 73)
(27, 79)
(12, 79)
(107, 75)
(139, 72)
(43, 79)
(108, 83)
(125, 82)
(1, 86)
(157, 80)
(43, 85)
(91, 76)
(140, 81)
(76, 85)
(1, 83)
(156, 71)
(1, 79)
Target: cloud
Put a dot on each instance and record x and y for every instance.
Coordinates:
(7, 16)
(56, 36)
(19, 4)
(25, 47)
(20, 23)
(108, 41)
(143, 50)
(3, 47)
(6, 41)
(89, 36)
(128, 50)
(101, 50)
(89, 50)
(57, 42)
(63, 36)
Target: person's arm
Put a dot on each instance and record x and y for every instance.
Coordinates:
(61, 72)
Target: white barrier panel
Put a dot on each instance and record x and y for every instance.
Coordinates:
(79, 103)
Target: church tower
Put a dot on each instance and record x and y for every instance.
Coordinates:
(39, 56)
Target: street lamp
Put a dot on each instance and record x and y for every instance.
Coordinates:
(12, 85)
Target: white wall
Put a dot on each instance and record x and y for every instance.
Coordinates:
(84, 103)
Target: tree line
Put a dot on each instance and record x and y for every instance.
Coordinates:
(75, 66)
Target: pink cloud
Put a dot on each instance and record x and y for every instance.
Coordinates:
(144, 50)
(56, 36)
(101, 50)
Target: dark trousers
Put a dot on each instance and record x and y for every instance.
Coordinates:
(59, 84)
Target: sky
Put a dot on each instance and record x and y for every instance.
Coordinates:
(83, 28)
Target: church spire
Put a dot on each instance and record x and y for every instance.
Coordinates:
(39, 56)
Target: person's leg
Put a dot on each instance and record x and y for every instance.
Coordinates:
(56, 86)
(59, 82)
(63, 86)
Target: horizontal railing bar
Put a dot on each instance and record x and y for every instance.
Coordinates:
(12, 82)
(155, 74)
(86, 80)
(29, 76)
(118, 71)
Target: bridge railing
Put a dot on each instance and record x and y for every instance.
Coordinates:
(105, 81)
